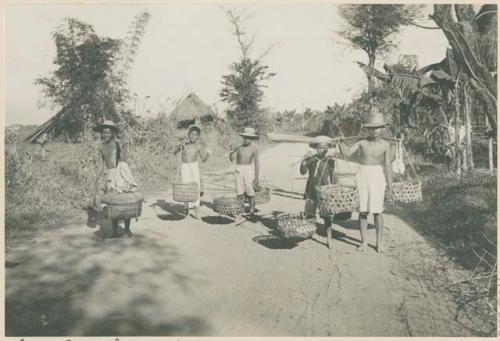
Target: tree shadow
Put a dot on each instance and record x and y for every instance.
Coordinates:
(76, 285)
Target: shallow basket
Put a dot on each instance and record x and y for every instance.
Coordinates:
(262, 195)
(406, 192)
(296, 225)
(228, 205)
(186, 192)
(122, 211)
(333, 199)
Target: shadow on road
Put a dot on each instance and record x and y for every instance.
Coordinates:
(79, 285)
(217, 220)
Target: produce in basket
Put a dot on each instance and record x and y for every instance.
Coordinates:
(296, 225)
(262, 195)
(186, 192)
(122, 205)
(231, 206)
(406, 192)
(333, 199)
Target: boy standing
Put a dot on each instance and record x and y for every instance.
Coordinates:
(373, 175)
(320, 169)
(111, 163)
(190, 170)
(246, 174)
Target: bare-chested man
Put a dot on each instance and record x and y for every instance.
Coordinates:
(373, 175)
(190, 170)
(246, 174)
(111, 156)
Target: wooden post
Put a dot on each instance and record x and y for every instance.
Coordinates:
(468, 131)
(458, 168)
(490, 146)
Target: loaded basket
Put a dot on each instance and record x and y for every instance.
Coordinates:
(186, 192)
(334, 199)
(296, 225)
(407, 191)
(410, 190)
(230, 206)
(122, 205)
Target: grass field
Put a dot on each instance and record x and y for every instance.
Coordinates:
(46, 194)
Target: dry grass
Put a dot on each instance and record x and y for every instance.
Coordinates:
(46, 194)
(459, 216)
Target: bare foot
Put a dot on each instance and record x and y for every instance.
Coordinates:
(239, 220)
(362, 247)
(380, 249)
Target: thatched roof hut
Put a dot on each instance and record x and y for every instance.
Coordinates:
(190, 110)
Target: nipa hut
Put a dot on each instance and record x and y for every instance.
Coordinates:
(191, 110)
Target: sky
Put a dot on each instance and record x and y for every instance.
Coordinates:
(188, 48)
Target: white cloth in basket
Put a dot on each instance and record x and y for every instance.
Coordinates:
(371, 188)
(190, 172)
(120, 179)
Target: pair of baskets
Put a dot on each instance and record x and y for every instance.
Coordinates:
(122, 205)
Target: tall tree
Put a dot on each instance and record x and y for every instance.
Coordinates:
(80, 85)
(373, 28)
(242, 88)
(474, 44)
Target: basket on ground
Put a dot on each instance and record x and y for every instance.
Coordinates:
(228, 205)
(296, 225)
(186, 192)
(333, 199)
(262, 195)
(122, 205)
(406, 192)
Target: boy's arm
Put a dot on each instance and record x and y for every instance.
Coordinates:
(204, 154)
(232, 155)
(305, 162)
(123, 153)
(387, 169)
(178, 149)
(256, 163)
(331, 169)
(347, 151)
(100, 169)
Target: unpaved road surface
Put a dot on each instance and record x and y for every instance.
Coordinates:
(186, 277)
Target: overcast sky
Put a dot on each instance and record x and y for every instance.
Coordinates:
(189, 47)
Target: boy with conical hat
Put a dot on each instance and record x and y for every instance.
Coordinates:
(247, 168)
(320, 168)
(190, 170)
(374, 174)
(117, 174)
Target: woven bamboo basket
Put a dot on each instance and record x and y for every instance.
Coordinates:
(186, 192)
(228, 205)
(262, 195)
(406, 192)
(123, 211)
(333, 199)
(296, 225)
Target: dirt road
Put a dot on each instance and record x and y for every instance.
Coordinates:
(186, 277)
